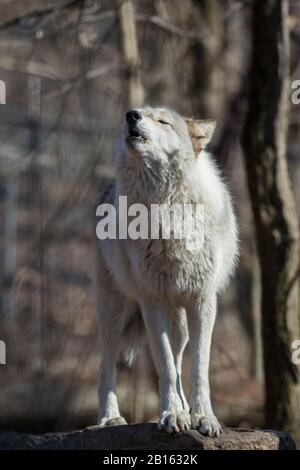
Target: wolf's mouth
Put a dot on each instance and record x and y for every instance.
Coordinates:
(135, 136)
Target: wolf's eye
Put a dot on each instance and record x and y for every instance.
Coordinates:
(164, 122)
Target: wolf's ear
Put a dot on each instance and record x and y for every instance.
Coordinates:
(201, 132)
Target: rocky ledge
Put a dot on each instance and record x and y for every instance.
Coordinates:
(148, 437)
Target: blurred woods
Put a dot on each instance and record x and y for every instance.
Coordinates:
(71, 70)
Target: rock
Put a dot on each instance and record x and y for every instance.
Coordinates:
(148, 437)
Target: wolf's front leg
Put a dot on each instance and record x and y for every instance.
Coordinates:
(173, 417)
(201, 319)
(180, 337)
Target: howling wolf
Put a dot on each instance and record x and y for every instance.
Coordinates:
(158, 286)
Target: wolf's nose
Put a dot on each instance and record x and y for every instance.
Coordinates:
(133, 116)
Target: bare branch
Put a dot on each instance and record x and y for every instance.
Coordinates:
(12, 14)
(169, 27)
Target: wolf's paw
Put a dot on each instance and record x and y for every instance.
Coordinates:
(206, 425)
(118, 421)
(174, 421)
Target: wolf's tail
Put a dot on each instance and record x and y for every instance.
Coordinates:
(133, 338)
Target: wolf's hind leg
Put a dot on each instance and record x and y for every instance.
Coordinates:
(180, 337)
(173, 417)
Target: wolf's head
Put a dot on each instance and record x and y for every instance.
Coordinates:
(162, 134)
(162, 149)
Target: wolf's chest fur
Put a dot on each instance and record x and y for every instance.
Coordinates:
(168, 268)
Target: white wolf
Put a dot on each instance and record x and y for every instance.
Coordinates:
(159, 286)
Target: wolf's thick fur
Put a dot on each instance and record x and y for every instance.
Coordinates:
(159, 285)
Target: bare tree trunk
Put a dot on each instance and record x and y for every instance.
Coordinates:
(10, 244)
(256, 318)
(34, 115)
(264, 141)
(208, 75)
(2, 247)
(129, 45)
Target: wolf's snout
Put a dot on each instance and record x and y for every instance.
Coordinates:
(132, 117)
